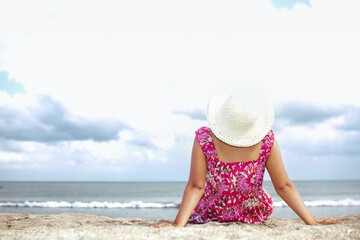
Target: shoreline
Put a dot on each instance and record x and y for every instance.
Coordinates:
(86, 226)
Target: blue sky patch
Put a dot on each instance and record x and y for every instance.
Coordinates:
(289, 4)
(10, 85)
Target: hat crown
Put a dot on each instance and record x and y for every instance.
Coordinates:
(238, 114)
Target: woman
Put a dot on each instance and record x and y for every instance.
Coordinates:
(228, 163)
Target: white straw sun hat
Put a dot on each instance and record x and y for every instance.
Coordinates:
(239, 114)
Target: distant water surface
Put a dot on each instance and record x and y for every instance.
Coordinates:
(158, 200)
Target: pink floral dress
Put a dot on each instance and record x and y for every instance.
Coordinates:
(233, 191)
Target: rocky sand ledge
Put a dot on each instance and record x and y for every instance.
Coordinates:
(85, 226)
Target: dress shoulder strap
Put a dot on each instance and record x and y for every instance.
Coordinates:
(205, 140)
(268, 142)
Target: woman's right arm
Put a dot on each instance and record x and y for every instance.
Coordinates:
(286, 189)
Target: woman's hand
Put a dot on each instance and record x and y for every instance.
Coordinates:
(328, 221)
(162, 224)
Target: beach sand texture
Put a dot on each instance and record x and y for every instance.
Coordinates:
(85, 226)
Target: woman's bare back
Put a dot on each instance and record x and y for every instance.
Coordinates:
(230, 154)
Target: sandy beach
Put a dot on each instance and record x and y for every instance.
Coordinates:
(85, 226)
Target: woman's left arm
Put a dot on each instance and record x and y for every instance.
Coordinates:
(194, 188)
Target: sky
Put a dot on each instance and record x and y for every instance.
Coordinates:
(114, 90)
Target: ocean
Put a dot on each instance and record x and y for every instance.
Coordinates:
(158, 200)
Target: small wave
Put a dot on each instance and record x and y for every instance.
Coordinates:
(140, 204)
(94, 204)
(348, 202)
